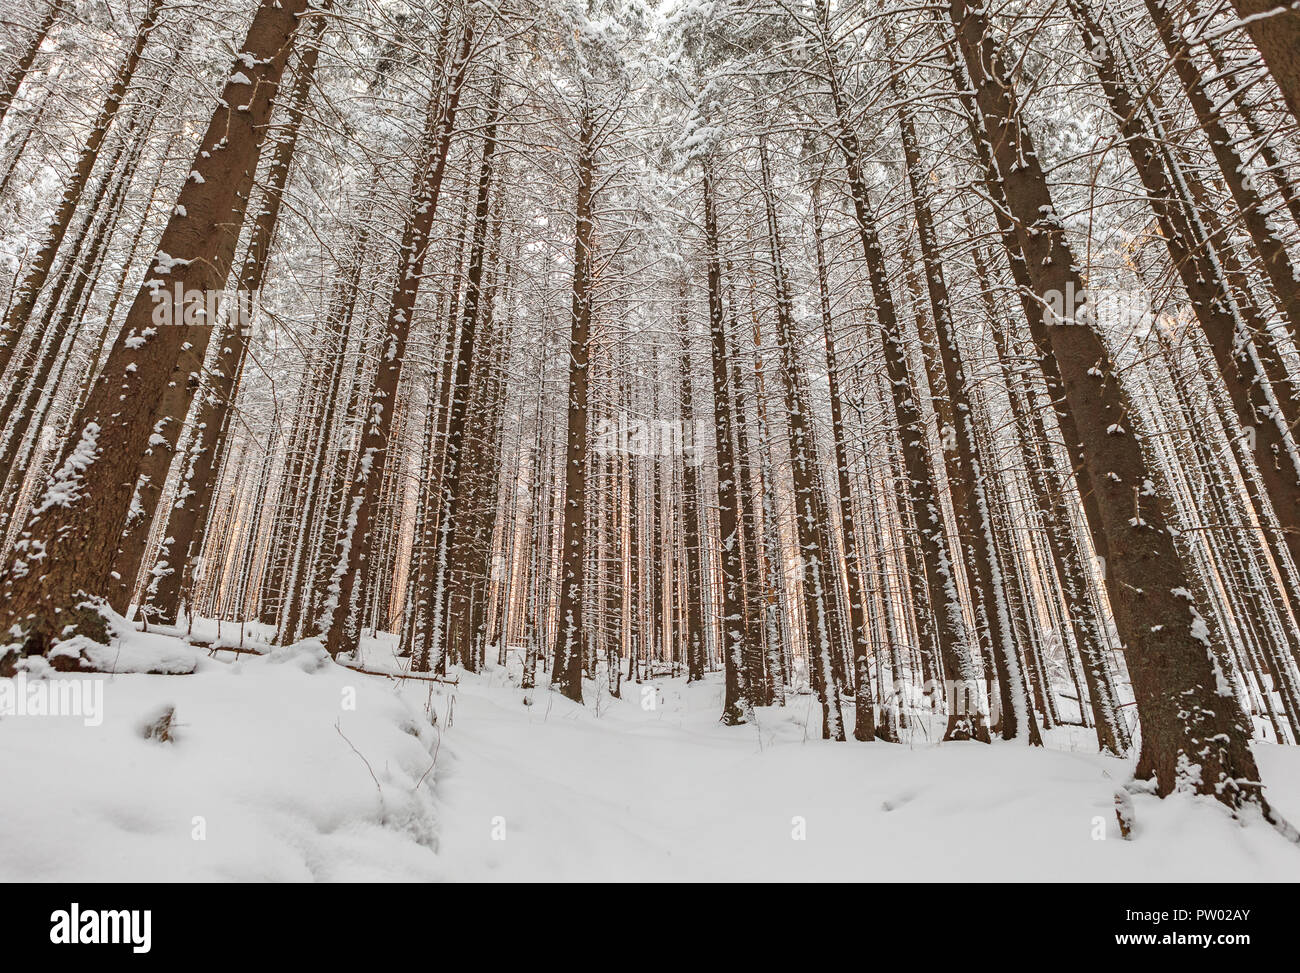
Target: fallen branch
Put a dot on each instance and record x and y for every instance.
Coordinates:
(400, 675)
(224, 648)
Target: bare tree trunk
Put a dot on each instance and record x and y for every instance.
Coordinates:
(566, 674)
(737, 705)
(1192, 736)
(14, 81)
(56, 573)
(340, 626)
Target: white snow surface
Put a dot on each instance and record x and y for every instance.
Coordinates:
(423, 781)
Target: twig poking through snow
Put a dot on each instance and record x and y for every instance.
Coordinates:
(383, 812)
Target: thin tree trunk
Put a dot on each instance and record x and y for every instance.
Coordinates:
(20, 309)
(966, 481)
(340, 626)
(566, 674)
(14, 80)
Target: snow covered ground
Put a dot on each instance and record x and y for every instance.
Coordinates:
(288, 767)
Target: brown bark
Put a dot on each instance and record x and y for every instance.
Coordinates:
(1049, 491)
(470, 555)
(964, 721)
(340, 626)
(864, 721)
(972, 505)
(737, 703)
(1254, 214)
(1274, 26)
(1246, 365)
(24, 301)
(566, 674)
(1194, 736)
(194, 496)
(27, 58)
(71, 535)
(814, 558)
(756, 674)
(695, 648)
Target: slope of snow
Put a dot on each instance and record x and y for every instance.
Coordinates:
(261, 781)
(288, 767)
(668, 794)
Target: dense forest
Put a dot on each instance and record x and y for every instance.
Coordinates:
(916, 358)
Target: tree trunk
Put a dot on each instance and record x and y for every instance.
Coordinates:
(340, 626)
(1274, 26)
(1254, 215)
(971, 502)
(25, 60)
(1194, 737)
(566, 675)
(966, 717)
(194, 496)
(737, 705)
(695, 648)
(66, 555)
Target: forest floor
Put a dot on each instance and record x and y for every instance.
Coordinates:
(285, 766)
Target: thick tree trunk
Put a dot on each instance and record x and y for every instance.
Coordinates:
(1274, 26)
(1255, 216)
(1245, 364)
(737, 704)
(475, 508)
(1194, 735)
(1049, 492)
(66, 555)
(194, 495)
